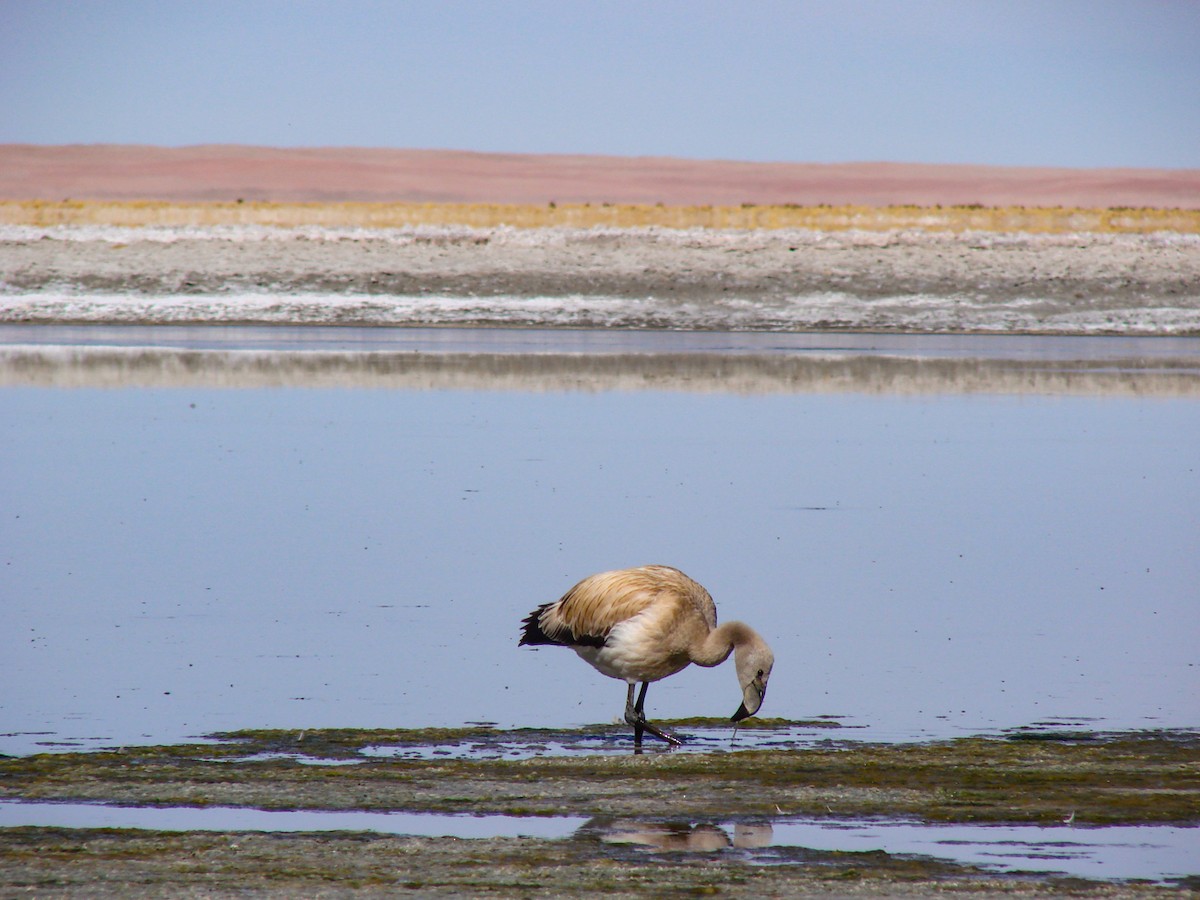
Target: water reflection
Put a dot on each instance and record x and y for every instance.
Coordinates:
(240, 818)
(616, 740)
(822, 372)
(1155, 853)
(1152, 852)
(681, 837)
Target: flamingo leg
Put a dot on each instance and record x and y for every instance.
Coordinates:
(635, 715)
(641, 714)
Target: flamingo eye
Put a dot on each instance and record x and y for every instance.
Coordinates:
(760, 673)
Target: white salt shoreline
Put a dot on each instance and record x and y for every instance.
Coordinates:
(828, 311)
(605, 278)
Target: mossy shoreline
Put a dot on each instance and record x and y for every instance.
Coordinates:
(1105, 779)
(126, 864)
(1139, 778)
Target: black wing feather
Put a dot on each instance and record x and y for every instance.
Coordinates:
(532, 633)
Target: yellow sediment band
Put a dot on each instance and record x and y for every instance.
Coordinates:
(1043, 220)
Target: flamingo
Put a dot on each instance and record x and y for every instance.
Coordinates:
(646, 623)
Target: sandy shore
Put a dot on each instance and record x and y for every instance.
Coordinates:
(648, 278)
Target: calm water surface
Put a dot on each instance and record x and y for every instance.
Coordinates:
(178, 561)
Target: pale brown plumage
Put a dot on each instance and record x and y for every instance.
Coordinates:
(679, 614)
(646, 623)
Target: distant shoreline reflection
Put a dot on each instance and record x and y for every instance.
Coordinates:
(146, 367)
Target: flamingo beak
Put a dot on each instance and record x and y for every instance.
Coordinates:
(753, 697)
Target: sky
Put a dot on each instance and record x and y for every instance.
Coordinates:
(1081, 83)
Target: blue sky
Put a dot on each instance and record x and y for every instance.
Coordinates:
(1012, 82)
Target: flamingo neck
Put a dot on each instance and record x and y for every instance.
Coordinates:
(722, 641)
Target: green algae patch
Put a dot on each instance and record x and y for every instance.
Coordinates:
(338, 743)
(137, 864)
(1139, 778)
(1100, 779)
(349, 741)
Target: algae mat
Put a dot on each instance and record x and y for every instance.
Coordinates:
(1130, 779)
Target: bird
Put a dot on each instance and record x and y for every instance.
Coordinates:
(643, 624)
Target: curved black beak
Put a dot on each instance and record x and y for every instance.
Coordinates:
(755, 691)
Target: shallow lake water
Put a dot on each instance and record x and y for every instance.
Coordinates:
(178, 560)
